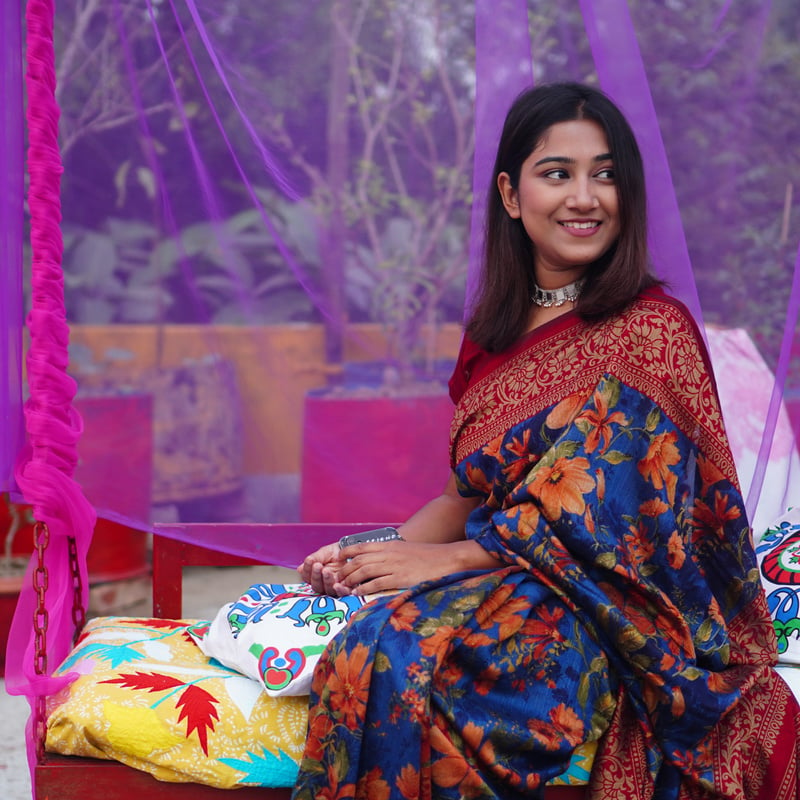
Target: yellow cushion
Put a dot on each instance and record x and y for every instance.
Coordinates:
(148, 697)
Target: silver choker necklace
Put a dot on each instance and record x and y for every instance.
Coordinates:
(549, 298)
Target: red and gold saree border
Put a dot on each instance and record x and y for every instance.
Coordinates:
(653, 347)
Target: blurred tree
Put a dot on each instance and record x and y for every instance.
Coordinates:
(366, 107)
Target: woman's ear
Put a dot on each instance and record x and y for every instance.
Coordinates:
(509, 195)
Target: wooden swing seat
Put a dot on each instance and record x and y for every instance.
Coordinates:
(76, 778)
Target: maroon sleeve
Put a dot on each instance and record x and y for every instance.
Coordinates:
(468, 357)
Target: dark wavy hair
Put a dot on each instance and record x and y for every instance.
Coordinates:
(501, 310)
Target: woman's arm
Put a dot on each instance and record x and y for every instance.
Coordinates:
(443, 519)
(434, 546)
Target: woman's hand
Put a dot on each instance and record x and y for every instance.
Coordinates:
(321, 569)
(389, 566)
(434, 535)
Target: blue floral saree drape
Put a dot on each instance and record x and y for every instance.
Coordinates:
(630, 610)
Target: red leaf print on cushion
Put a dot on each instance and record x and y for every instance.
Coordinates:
(198, 708)
(149, 681)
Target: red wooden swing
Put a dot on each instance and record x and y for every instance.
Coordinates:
(76, 778)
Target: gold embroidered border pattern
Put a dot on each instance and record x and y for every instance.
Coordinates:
(653, 348)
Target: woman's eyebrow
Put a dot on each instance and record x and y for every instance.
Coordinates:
(566, 160)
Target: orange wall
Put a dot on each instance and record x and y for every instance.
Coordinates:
(275, 367)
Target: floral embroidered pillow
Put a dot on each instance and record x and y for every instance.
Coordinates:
(778, 553)
(275, 633)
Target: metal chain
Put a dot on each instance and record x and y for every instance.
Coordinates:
(78, 611)
(40, 623)
(41, 580)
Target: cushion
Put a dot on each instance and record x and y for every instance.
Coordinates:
(778, 553)
(147, 696)
(275, 633)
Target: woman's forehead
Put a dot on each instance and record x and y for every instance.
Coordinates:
(579, 136)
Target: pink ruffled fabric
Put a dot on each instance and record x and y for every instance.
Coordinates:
(44, 472)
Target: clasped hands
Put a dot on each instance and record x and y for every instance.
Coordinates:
(374, 567)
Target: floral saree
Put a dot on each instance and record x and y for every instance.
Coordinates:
(630, 611)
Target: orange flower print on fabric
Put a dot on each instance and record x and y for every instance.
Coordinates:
(588, 520)
(320, 727)
(493, 448)
(524, 457)
(699, 759)
(487, 679)
(715, 518)
(437, 642)
(676, 552)
(637, 545)
(600, 478)
(568, 722)
(565, 411)
(451, 769)
(332, 789)
(632, 609)
(543, 631)
(653, 508)
(405, 617)
(709, 472)
(372, 786)
(655, 466)
(510, 617)
(474, 735)
(564, 724)
(349, 686)
(407, 783)
(561, 488)
(414, 704)
(478, 479)
(600, 424)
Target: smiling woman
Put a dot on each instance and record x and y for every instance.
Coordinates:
(588, 573)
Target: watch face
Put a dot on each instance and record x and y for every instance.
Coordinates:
(378, 535)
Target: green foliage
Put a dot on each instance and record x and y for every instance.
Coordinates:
(228, 272)
(382, 160)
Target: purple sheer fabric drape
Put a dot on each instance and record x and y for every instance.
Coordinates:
(499, 27)
(621, 73)
(272, 224)
(11, 232)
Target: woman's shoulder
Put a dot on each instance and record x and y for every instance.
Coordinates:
(667, 314)
(656, 300)
(657, 336)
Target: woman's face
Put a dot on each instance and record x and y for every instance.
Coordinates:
(566, 200)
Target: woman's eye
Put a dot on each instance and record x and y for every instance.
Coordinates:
(557, 174)
(606, 174)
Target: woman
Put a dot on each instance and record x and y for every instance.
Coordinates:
(587, 574)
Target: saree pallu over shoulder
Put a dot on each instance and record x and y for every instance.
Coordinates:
(654, 347)
(628, 611)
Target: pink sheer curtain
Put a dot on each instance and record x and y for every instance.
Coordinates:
(271, 227)
(11, 224)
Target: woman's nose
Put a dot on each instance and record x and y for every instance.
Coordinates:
(582, 195)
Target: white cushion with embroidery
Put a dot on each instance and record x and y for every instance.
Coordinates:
(276, 633)
(778, 553)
